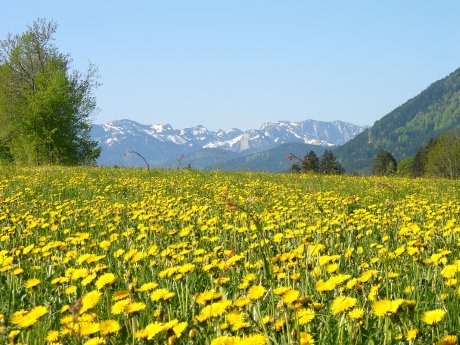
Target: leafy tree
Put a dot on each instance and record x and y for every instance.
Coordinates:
(443, 158)
(384, 164)
(310, 162)
(404, 168)
(45, 107)
(420, 159)
(329, 164)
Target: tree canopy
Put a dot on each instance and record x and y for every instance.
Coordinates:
(384, 164)
(329, 164)
(45, 107)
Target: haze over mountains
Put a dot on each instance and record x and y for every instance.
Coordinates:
(163, 145)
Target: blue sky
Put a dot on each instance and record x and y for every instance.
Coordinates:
(239, 63)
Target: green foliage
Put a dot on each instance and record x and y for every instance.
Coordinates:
(418, 168)
(384, 164)
(329, 164)
(45, 107)
(408, 127)
(404, 167)
(310, 162)
(443, 158)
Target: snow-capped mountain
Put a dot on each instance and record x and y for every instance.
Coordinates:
(162, 144)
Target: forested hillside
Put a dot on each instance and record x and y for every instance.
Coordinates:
(408, 127)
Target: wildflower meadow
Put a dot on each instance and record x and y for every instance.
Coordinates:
(126, 256)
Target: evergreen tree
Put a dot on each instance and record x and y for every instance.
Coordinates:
(45, 107)
(310, 162)
(329, 164)
(384, 164)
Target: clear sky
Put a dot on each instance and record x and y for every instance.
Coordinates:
(239, 63)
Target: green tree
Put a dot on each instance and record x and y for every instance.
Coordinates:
(329, 164)
(443, 159)
(420, 159)
(384, 164)
(310, 162)
(404, 168)
(45, 107)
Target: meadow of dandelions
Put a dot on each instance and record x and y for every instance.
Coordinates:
(123, 256)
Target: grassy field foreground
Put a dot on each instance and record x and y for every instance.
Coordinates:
(119, 256)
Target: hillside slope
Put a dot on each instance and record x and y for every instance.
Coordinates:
(408, 127)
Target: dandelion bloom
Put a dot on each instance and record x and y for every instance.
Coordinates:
(342, 303)
(105, 279)
(109, 326)
(448, 340)
(411, 334)
(52, 336)
(290, 296)
(433, 317)
(304, 316)
(90, 300)
(256, 292)
(31, 283)
(356, 313)
(306, 339)
(95, 341)
(134, 307)
(179, 328)
(119, 307)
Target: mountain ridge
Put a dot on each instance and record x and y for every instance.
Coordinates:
(161, 144)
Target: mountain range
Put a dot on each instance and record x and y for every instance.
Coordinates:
(162, 145)
(401, 132)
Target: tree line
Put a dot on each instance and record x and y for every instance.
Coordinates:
(45, 107)
(311, 163)
(439, 157)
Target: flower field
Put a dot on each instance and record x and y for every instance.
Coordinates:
(120, 256)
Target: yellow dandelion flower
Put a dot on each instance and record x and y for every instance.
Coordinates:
(153, 329)
(322, 285)
(119, 307)
(70, 290)
(386, 307)
(224, 340)
(411, 334)
(31, 283)
(433, 317)
(134, 307)
(105, 279)
(179, 328)
(88, 328)
(147, 287)
(253, 339)
(290, 296)
(342, 303)
(356, 313)
(95, 341)
(52, 336)
(109, 326)
(448, 340)
(213, 310)
(256, 292)
(122, 294)
(161, 294)
(306, 339)
(206, 296)
(304, 316)
(90, 300)
(242, 301)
